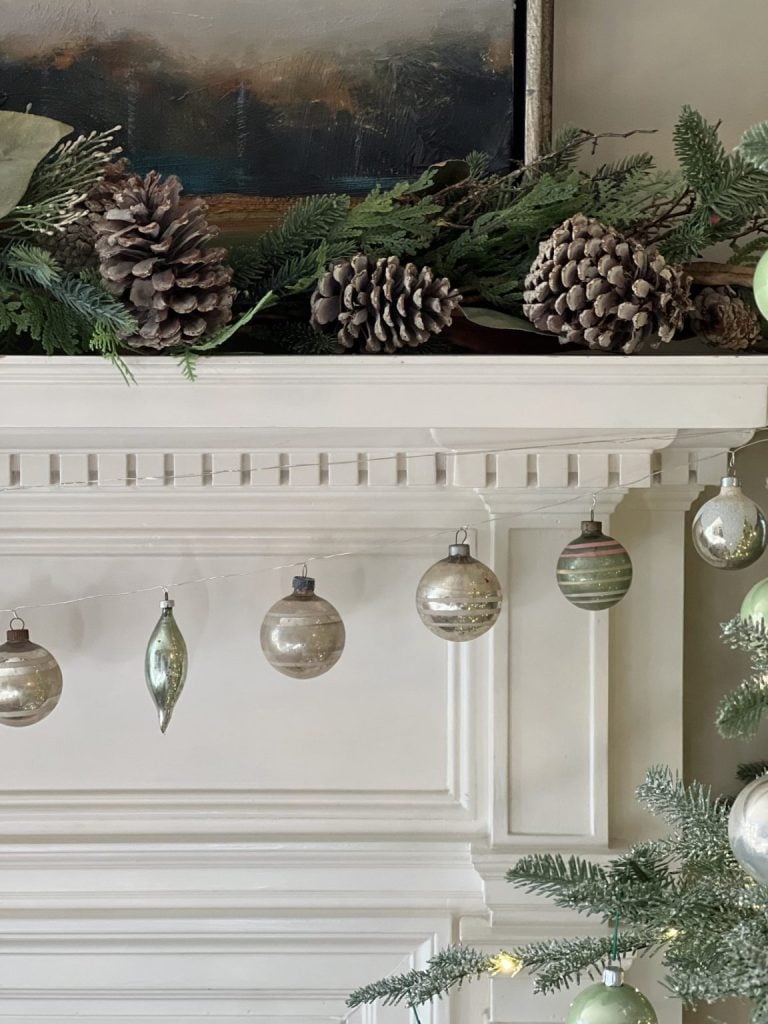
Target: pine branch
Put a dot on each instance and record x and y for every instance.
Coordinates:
(560, 963)
(750, 770)
(445, 970)
(754, 145)
(740, 712)
(699, 822)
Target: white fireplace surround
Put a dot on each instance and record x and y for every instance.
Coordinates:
(286, 841)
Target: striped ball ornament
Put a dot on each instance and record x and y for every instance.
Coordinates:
(594, 571)
(459, 598)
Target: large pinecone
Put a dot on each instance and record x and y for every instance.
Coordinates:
(594, 287)
(153, 252)
(381, 304)
(75, 246)
(724, 319)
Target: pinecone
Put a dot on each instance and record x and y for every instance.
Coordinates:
(724, 319)
(382, 305)
(594, 287)
(74, 247)
(153, 252)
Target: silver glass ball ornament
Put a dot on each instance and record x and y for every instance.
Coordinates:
(302, 635)
(748, 829)
(729, 530)
(165, 663)
(30, 678)
(459, 598)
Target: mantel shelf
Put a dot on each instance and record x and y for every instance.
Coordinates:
(429, 401)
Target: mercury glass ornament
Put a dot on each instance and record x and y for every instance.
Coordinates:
(459, 598)
(610, 1001)
(748, 829)
(594, 571)
(302, 635)
(30, 678)
(165, 663)
(729, 530)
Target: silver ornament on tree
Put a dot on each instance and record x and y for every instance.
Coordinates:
(748, 829)
(729, 530)
(30, 678)
(459, 598)
(302, 635)
(166, 663)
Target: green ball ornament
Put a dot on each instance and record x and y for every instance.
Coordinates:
(754, 607)
(594, 571)
(610, 1001)
(760, 284)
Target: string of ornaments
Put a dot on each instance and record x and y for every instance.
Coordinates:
(458, 599)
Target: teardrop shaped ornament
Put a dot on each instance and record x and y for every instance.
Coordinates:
(165, 663)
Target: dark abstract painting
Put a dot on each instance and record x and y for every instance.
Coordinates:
(270, 98)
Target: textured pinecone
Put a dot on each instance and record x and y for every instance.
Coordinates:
(153, 252)
(74, 246)
(594, 287)
(382, 305)
(724, 319)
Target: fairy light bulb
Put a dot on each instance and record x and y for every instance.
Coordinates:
(506, 963)
(165, 663)
(302, 635)
(30, 678)
(459, 598)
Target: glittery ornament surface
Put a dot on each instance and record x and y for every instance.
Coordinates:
(30, 683)
(459, 598)
(165, 664)
(729, 531)
(302, 635)
(594, 571)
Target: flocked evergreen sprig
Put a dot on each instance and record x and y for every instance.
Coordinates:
(741, 711)
(683, 898)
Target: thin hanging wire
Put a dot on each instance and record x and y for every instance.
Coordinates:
(355, 552)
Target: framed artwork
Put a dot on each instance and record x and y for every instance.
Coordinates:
(255, 102)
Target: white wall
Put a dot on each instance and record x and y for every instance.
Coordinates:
(620, 64)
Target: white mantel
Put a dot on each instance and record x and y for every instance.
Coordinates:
(286, 841)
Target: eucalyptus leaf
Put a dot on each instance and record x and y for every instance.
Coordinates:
(24, 141)
(496, 319)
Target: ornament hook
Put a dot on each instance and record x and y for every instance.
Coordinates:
(592, 508)
(731, 462)
(304, 570)
(15, 617)
(461, 529)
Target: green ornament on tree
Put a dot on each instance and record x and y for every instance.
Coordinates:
(610, 1001)
(760, 284)
(754, 607)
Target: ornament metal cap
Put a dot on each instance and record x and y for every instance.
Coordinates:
(591, 527)
(16, 634)
(459, 548)
(303, 585)
(167, 602)
(613, 976)
(730, 481)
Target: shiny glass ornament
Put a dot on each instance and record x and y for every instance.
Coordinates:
(610, 1001)
(302, 635)
(30, 678)
(729, 530)
(760, 284)
(165, 663)
(459, 598)
(748, 829)
(754, 607)
(594, 571)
